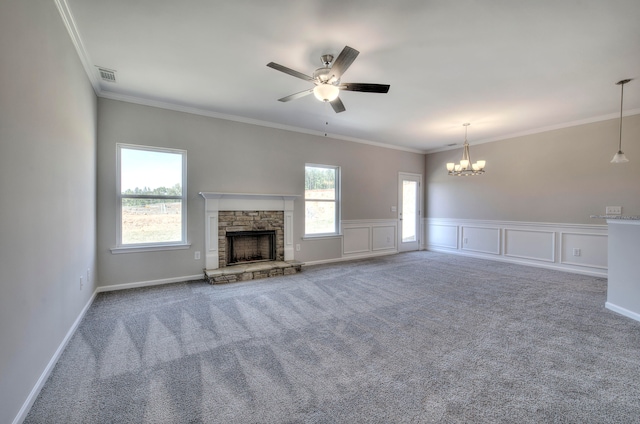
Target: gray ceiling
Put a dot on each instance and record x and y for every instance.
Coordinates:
(508, 67)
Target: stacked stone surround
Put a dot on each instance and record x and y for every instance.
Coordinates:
(249, 221)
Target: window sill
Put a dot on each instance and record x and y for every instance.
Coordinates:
(321, 236)
(156, 248)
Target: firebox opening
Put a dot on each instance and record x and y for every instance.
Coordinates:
(250, 246)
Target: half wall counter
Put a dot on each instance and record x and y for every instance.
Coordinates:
(623, 289)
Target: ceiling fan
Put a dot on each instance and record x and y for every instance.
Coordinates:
(327, 80)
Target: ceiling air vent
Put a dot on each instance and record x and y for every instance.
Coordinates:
(107, 75)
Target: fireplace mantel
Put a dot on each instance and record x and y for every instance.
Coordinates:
(220, 195)
(218, 201)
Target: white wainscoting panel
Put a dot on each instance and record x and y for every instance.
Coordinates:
(547, 245)
(592, 249)
(530, 244)
(384, 237)
(356, 240)
(363, 238)
(481, 239)
(442, 235)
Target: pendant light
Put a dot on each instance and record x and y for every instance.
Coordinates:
(620, 157)
(465, 168)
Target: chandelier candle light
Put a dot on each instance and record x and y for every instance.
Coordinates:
(620, 157)
(465, 167)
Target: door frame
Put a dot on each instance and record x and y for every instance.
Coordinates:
(415, 245)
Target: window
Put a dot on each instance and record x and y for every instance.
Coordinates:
(152, 202)
(321, 199)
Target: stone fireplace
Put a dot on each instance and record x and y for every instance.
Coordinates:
(250, 236)
(244, 212)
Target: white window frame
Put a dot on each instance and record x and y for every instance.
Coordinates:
(337, 201)
(142, 247)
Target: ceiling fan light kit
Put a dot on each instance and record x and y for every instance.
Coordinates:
(326, 92)
(327, 80)
(620, 157)
(466, 168)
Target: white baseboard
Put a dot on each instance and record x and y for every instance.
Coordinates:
(622, 311)
(28, 403)
(22, 414)
(160, 282)
(523, 262)
(350, 258)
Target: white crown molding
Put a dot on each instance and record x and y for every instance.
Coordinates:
(204, 112)
(69, 22)
(89, 67)
(211, 114)
(542, 129)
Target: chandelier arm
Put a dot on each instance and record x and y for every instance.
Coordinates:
(465, 152)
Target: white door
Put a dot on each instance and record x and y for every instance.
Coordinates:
(409, 211)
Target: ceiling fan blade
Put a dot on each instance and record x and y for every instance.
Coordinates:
(289, 71)
(344, 60)
(367, 88)
(337, 105)
(296, 95)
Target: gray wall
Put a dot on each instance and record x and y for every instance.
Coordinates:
(47, 193)
(559, 176)
(232, 157)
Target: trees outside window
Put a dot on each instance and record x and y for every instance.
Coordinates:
(322, 200)
(152, 194)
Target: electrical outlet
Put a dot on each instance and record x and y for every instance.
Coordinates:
(613, 210)
(196, 255)
(298, 247)
(465, 240)
(81, 282)
(576, 252)
(394, 209)
(88, 276)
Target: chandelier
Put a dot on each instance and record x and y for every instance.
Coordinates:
(620, 157)
(465, 167)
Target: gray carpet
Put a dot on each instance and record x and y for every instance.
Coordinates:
(418, 337)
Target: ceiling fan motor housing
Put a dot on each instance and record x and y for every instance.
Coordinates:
(325, 76)
(326, 59)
